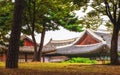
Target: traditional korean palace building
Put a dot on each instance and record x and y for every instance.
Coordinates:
(88, 44)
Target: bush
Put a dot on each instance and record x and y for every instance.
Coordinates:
(81, 60)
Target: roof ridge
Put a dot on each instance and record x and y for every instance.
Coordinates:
(95, 35)
(90, 32)
(65, 39)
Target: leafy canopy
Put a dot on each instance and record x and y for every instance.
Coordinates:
(6, 12)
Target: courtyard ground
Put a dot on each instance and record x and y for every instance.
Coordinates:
(36, 68)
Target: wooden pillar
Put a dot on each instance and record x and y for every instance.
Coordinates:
(43, 58)
(103, 61)
(26, 57)
(3, 57)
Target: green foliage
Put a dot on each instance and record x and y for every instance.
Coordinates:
(119, 54)
(74, 27)
(91, 21)
(108, 8)
(6, 13)
(70, 22)
(2, 43)
(109, 26)
(81, 60)
(80, 3)
(47, 13)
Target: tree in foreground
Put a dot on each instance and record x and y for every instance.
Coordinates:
(58, 13)
(111, 8)
(52, 15)
(13, 50)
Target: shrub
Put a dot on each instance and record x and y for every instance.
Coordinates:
(81, 60)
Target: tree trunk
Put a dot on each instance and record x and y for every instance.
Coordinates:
(39, 53)
(33, 29)
(35, 48)
(35, 43)
(32, 16)
(13, 50)
(114, 45)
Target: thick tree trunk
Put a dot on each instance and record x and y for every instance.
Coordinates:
(114, 45)
(13, 51)
(39, 53)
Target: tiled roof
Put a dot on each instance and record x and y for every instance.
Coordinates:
(83, 49)
(69, 47)
(107, 37)
(62, 42)
(23, 37)
(73, 49)
(92, 34)
(47, 48)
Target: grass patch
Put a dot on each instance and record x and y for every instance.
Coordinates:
(81, 60)
(36, 68)
(2, 64)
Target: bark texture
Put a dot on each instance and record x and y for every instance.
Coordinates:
(114, 46)
(13, 50)
(39, 53)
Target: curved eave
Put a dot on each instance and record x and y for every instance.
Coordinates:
(48, 48)
(81, 49)
(45, 52)
(30, 49)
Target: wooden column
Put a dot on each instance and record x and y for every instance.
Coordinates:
(26, 57)
(43, 58)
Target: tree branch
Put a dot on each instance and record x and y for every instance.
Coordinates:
(108, 11)
(114, 11)
(118, 13)
(34, 13)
